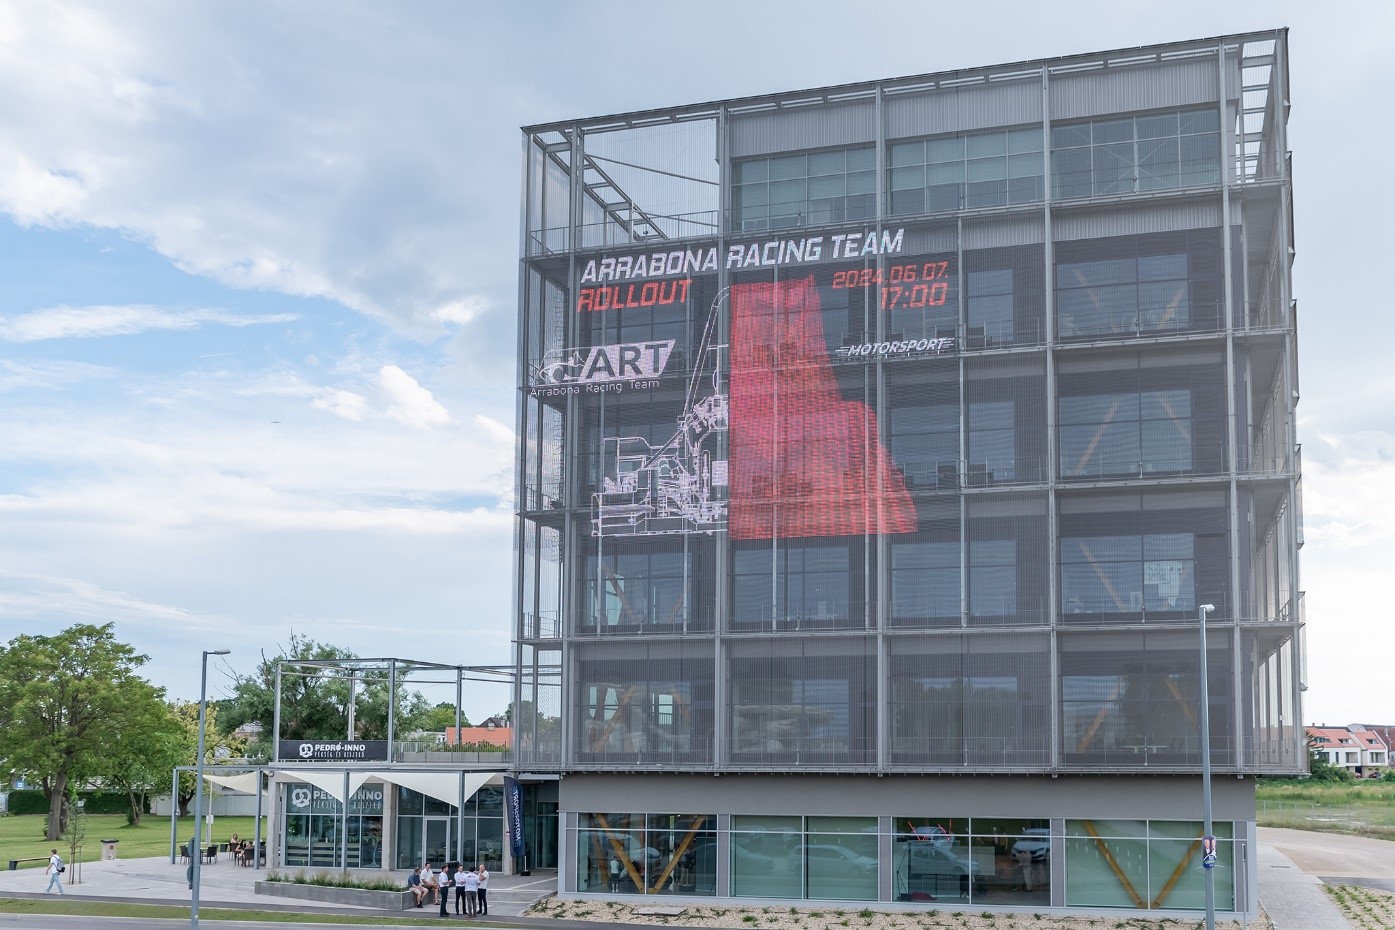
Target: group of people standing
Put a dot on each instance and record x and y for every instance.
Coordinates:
(471, 888)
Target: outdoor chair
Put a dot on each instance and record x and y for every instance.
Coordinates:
(184, 853)
(211, 854)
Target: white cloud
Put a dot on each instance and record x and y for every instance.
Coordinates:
(1346, 490)
(460, 311)
(87, 322)
(61, 601)
(212, 137)
(344, 404)
(412, 404)
(49, 374)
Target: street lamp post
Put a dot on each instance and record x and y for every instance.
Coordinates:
(1207, 842)
(195, 850)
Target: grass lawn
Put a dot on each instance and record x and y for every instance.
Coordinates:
(112, 909)
(1363, 808)
(23, 837)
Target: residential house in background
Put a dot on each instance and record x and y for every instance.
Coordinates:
(1358, 748)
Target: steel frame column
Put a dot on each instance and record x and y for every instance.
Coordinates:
(1053, 531)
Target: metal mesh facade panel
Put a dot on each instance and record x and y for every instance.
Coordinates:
(923, 447)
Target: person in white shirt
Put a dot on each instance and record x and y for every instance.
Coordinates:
(428, 881)
(484, 890)
(54, 872)
(471, 884)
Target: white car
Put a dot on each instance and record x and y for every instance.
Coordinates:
(1036, 841)
(825, 854)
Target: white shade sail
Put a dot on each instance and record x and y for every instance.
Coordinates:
(443, 786)
(330, 782)
(238, 784)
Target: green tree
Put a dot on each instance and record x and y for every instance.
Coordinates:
(441, 717)
(142, 755)
(1319, 769)
(315, 702)
(63, 700)
(217, 745)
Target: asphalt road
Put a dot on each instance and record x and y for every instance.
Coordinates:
(84, 922)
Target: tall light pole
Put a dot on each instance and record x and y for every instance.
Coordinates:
(195, 850)
(1208, 841)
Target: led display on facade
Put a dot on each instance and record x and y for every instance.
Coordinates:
(761, 441)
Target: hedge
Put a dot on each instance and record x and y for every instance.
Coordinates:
(32, 801)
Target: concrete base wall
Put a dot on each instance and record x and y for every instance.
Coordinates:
(356, 897)
(1166, 797)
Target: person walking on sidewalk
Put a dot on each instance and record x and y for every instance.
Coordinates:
(55, 871)
(484, 890)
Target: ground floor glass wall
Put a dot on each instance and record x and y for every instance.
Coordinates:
(1145, 864)
(962, 860)
(313, 823)
(430, 830)
(647, 854)
(988, 861)
(804, 857)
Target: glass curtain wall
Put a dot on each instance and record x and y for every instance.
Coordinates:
(1146, 864)
(313, 825)
(629, 853)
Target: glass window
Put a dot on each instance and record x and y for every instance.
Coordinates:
(992, 446)
(993, 578)
(762, 864)
(805, 189)
(1150, 432)
(1128, 574)
(629, 853)
(1155, 151)
(981, 169)
(1112, 296)
(924, 582)
(795, 586)
(1145, 864)
(924, 442)
(839, 858)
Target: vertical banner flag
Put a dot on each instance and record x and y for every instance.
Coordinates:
(513, 806)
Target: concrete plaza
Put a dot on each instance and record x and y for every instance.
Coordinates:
(156, 881)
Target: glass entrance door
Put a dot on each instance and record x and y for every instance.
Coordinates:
(438, 840)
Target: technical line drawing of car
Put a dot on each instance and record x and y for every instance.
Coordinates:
(679, 486)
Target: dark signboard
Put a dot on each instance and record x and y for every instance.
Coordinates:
(364, 750)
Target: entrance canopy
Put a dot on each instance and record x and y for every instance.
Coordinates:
(443, 786)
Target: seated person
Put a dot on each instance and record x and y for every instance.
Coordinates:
(415, 886)
(428, 880)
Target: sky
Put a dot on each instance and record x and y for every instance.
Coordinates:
(258, 271)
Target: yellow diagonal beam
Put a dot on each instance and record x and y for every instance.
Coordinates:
(1114, 866)
(1176, 874)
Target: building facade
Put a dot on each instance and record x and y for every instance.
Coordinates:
(879, 448)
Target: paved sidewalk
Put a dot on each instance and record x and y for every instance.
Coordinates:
(155, 881)
(1294, 899)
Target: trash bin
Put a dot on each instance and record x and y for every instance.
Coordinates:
(109, 849)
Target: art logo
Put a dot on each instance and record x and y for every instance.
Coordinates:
(307, 750)
(300, 797)
(628, 361)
